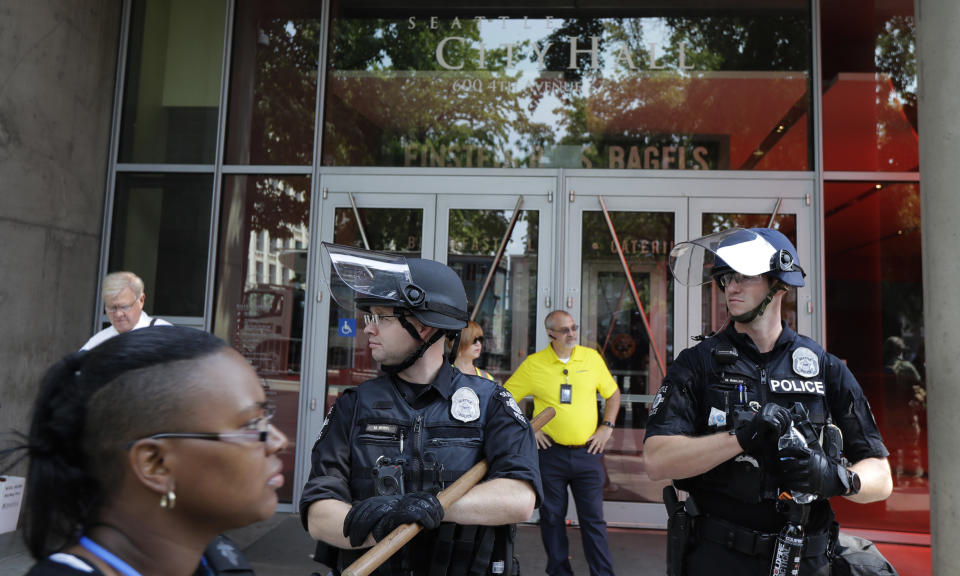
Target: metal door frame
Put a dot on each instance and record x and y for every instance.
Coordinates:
(688, 196)
(435, 193)
(561, 196)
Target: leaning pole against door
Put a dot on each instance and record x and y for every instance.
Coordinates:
(356, 214)
(633, 287)
(496, 259)
(384, 549)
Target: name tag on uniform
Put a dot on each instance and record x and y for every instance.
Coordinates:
(787, 386)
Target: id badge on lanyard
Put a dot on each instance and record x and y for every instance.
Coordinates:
(566, 391)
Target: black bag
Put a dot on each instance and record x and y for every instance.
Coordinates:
(855, 556)
(224, 557)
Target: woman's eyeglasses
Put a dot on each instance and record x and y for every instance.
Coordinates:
(257, 430)
(478, 339)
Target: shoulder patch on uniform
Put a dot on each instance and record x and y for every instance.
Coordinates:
(662, 393)
(805, 362)
(507, 398)
(465, 404)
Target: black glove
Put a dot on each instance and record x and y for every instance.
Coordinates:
(768, 425)
(420, 507)
(813, 472)
(364, 516)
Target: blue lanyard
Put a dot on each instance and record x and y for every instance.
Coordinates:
(107, 556)
(119, 565)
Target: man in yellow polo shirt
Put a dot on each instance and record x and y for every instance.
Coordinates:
(568, 377)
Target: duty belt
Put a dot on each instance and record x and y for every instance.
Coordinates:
(754, 543)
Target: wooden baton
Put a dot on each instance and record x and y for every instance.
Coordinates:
(384, 549)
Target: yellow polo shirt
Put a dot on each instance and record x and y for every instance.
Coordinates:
(541, 374)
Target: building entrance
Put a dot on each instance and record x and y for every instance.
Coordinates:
(558, 251)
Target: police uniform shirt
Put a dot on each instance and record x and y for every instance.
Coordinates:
(541, 376)
(508, 442)
(697, 392)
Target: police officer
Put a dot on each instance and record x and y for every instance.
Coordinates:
(390, 444)
(716, 420)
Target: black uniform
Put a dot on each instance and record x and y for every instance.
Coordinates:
(434, 433)
(737, 499)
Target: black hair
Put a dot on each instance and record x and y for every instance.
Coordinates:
(90, 405)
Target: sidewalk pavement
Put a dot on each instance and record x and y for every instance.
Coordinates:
(285, 551)
(280, 547)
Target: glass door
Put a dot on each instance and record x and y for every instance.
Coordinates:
(792, 216)
(510, 303)
(338, 356)
(452, 219)
(599, 296)
(649, 216)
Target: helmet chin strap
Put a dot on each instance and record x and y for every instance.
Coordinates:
(394, 369)
(748, 317)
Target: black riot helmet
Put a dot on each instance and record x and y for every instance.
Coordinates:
(751, 252)
(427, 290)
(434, 295)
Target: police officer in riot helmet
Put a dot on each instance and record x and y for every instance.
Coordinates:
(716, 422)
(389, 445)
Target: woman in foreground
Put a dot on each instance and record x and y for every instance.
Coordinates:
(142, 451)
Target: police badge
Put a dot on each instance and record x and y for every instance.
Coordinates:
(465, 405)
(805, 362)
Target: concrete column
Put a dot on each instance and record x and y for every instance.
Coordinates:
(939, 108)
(57, 69)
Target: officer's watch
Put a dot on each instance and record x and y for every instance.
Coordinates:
(850, 480)
(608, 424)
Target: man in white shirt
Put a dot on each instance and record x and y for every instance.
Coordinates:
(123, 300)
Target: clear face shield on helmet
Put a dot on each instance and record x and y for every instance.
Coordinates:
(359, 274)
(694, 262)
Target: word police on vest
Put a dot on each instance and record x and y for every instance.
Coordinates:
(798, 387)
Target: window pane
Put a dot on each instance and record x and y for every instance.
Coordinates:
(698, 90)
(869, 86)
(508, 313)
(714, 314)
(612, 323)
(262, 315)
(875, 324)
(172, 88)
(396, 230)
(273, 82)
(161, 229)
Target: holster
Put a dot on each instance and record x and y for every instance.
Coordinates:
(679, 530)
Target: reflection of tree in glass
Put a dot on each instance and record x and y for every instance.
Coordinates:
(477, 231)
(582, 29)
(390, 101)
(616, 110)
(285, 91)
(896, 56)
(742, 43)
(387, 230)
(279, 206)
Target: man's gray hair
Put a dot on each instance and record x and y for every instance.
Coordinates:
(555, 314)
(115, 282)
